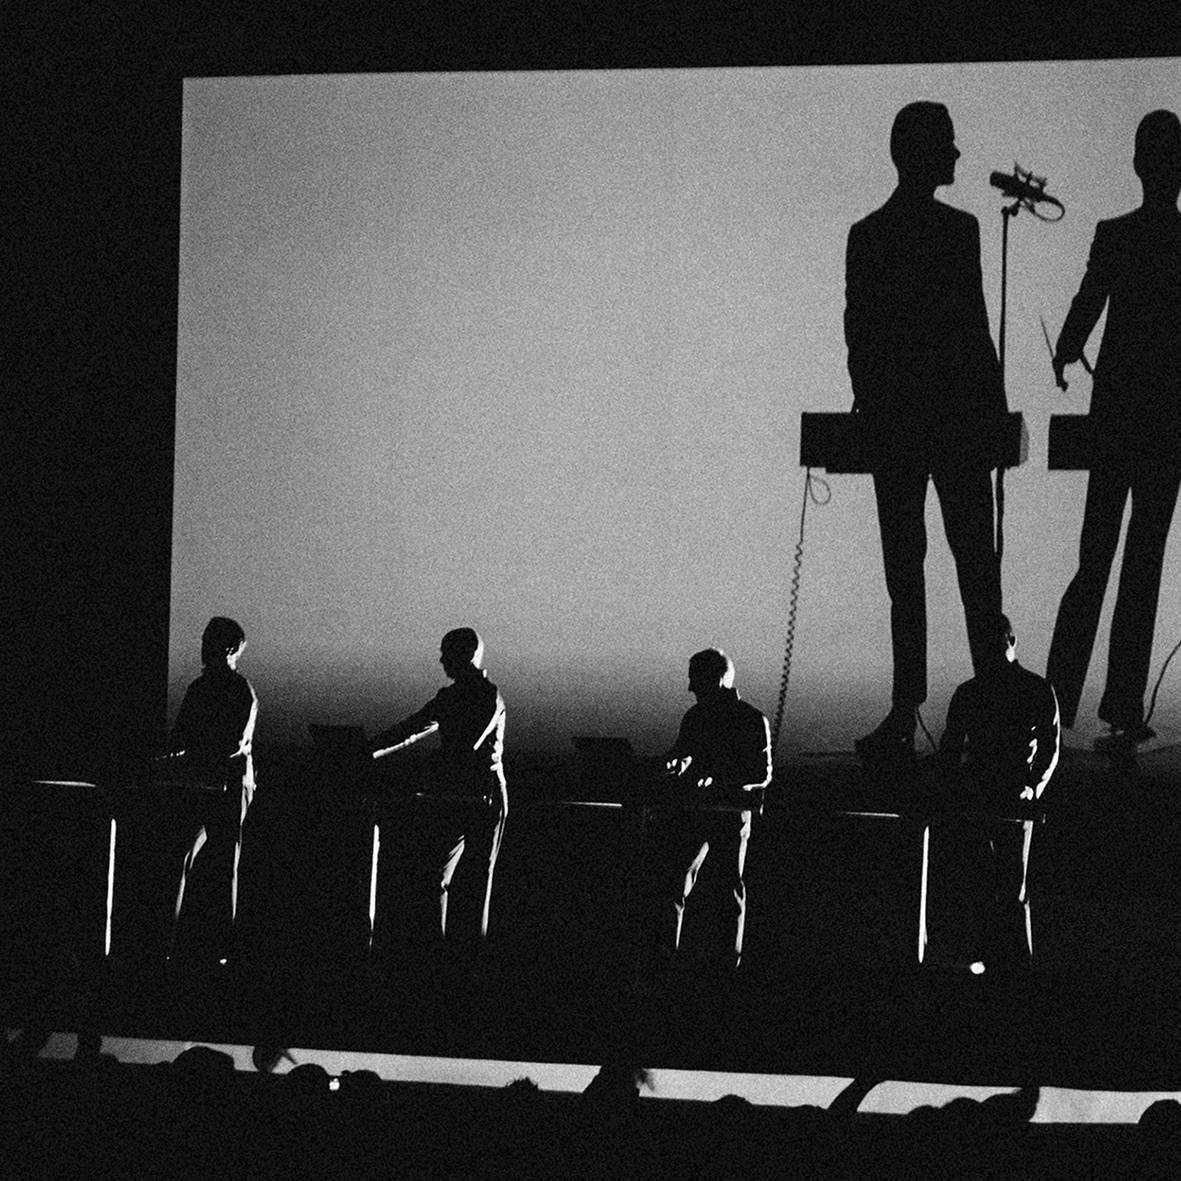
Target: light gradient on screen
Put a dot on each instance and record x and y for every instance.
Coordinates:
(528, 352)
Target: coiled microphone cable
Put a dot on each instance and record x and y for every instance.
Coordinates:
(811, 483)
(1156, 687)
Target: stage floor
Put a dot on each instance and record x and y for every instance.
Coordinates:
(830, 983)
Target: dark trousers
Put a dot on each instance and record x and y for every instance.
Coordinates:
(965, 497)
(440, 879)
(207, 896)
(1010, 940)
(979, 904)
(703, 854)
(1153, 489)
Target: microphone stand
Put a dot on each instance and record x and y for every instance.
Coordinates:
(1008, 212)
(1031, 190)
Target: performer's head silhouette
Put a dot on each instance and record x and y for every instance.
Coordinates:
(922, 146)
(1003, 649)
(461, 652)
(222, 643)
(1006, 639)
(710, 671)
(1157, 158)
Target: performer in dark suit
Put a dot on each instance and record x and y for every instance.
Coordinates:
(720, 762)
(211, 748)
(927, 390)
(1004, 724)
(460, 812)
(1134, 270)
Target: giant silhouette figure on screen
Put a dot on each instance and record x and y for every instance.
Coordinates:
(463, 802)
(998, 752)
(720, 762)
(211, 749)
(927, 391)
(1134, 271)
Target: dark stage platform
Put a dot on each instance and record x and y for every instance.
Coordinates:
(830, 982)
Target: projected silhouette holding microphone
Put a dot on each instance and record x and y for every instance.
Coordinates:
(1134, 270)
(927, 391)
(464, 802)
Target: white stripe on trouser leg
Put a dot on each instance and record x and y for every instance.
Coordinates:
(190, 857)
(243, 806)
(740, 903)
(687, 888)
(1024, 895)
(740, 888)
(496, 839)
(449, 866)
(234, 880)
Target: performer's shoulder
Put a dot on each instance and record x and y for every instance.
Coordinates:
(1121, 223)
(863, 224)
(961, 219)
(898, 215)
(751, 714)
(486, 691)
(1034, 682)
(872, 222)
(1151, 228)
(242, 691)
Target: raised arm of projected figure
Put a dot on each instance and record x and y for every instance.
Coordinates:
(1060, 363)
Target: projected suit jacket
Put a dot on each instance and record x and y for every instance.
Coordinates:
(1134, 270)
(728, 740)
(926, 381)
(469, 715)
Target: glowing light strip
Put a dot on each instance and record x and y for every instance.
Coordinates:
(923, 893)
(110, 889)
(373, 882)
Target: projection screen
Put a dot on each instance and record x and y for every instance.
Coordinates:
(528, 352)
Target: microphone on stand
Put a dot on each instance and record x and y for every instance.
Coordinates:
(1027, 189)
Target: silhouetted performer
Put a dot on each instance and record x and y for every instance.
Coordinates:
(461, 820)
(927, 391)
(211, 744)
(1003, 726)
(720, 761)
(1134, 271)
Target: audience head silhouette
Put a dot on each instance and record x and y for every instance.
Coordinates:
(221, 643)
(710, 670)
(461, 651)
(1157, 158)
(922, 145)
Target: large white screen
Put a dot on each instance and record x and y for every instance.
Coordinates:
(528, 351)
